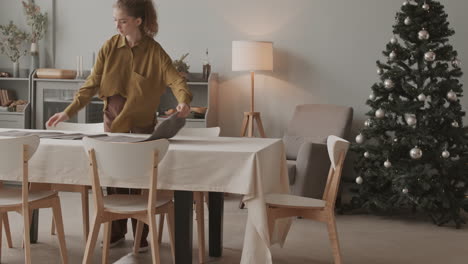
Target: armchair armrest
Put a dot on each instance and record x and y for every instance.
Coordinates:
(312, 166)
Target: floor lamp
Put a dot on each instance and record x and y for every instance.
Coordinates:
(252, 56)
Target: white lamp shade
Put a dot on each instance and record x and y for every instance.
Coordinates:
(252, 55)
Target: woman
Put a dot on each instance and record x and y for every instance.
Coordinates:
(131, 73)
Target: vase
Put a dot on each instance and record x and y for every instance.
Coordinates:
(34, 58)
(16, 69)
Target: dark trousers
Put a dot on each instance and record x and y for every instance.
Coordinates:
(119, 227)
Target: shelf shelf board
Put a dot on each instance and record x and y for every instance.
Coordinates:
(11, 113)
(13, 79)
(58, 80)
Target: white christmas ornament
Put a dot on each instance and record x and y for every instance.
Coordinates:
(379, 71)
(445, 154)
(405, 3)
(405, 190)
(387, 164)
(388, 84)
(422, 97)
(380, 113)
(416, 153)
(430, 56)
(392, 55)
(455, 124)
(359, 180)
(395, 140)
(456, 63)
(425, 6)
(393, 40)
(423, 34)
(452, 96)
(360, 139)
(366, 154)
(411, 119)
(407, 21)
(372, 96)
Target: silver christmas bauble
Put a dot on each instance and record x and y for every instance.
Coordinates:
(387, 164)
(429, 56)
(392, 55)
(452, 96)
(360, 139)
(455, 124)
(388, 84)
(411, 120)
(380, 113)
(379, 71)
(456, 63)
(366, 154)
(425, 6)
(407, 21)
(359, 180)
(416, 153)
(445, 154)
(368, 123)
(405, 190)
(394, 40)
(372, 96)
(422, 97)
(395, 139)
(423, 34)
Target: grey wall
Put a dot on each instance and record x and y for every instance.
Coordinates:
(325, 51)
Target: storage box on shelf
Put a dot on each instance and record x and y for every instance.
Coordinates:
(204, 100)
(18, 89)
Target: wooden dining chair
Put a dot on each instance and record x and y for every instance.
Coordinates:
(14, 157)
(114, 162)
(286, 205)
(198, 197)
(83, 190)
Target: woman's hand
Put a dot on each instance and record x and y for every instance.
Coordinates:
(183, 109)
(57, 118)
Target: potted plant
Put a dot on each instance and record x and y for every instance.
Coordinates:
(181, 66)
(11, 44)
(38, 23)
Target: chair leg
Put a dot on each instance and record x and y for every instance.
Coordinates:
(138, 233)
(333, 235)
(6, 224)
(161, 228)
(26, 241)
(91, 241)
(57, 212)
(52, 227)
(1, 223)
(85, 211)
(199, 210)
(154, 238)
(106, 242)
(170, 229)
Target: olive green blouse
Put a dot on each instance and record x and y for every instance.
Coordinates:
(140, 74)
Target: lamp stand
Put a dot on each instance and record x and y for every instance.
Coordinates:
(252, 116)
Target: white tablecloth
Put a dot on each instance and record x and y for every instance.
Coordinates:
(249, 166)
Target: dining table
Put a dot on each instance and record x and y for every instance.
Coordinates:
(252, 167)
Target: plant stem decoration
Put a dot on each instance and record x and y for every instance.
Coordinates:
(11, 41)
(36, 20)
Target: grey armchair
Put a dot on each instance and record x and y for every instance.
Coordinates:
(305, 145)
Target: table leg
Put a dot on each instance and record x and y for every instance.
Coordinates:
(183, 210)
(216, 210)
(34, 226)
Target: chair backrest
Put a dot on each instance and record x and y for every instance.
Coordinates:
(337, 149)
(200, 132)
(313, 123)
(81, 127)
(116, 162)
(13, 155)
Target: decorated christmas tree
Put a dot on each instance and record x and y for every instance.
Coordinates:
(412, 152)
